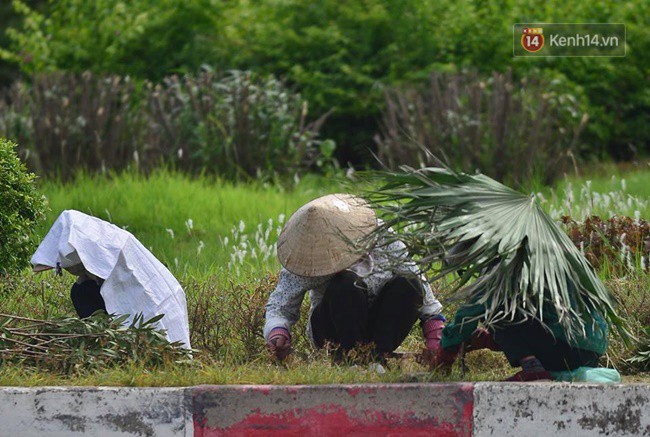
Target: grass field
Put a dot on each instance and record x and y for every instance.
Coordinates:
(218, 239)
(197, 225)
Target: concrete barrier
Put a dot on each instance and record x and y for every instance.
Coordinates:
(558, 409)
(69, 411)
(454, 409)
(396, 409)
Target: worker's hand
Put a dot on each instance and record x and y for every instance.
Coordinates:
(279, 343)
(434, 355)
(481, 339)
(432, 333)
(439, 359)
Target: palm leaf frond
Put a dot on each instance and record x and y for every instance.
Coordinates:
(514, 258)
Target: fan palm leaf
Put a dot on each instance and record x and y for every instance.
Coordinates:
(514, 259)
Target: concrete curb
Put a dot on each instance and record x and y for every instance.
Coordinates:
(561, 409)
(397, 409)
(453, 409)
(105, 411)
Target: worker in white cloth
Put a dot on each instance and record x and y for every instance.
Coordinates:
(356, 297)
(116, 273)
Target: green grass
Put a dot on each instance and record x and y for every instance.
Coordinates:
(155, 206)
(603, 189)
(226, 295)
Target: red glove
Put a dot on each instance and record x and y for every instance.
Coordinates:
(434, 354)
(279, 343)
(432, 332)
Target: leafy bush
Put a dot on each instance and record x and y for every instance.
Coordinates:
(70, 345)
(22, 208)
(341, 54)
(236, 125)
(484, 125)
(143, 38)
(233, 125)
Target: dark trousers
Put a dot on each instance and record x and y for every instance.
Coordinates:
(518, 340)
(345, 317)
(86, 298)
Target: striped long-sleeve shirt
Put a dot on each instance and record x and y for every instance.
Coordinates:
(376, 269)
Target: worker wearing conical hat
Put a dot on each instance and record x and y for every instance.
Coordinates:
(361, 291)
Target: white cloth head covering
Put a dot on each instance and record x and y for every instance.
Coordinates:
(134, 280)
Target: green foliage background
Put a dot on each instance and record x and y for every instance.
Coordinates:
(341, 54)
(22, 208)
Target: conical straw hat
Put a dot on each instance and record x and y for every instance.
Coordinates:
(319, 239)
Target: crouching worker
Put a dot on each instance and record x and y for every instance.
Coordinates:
(356, 298)
(541, 351)
(116, 273)
(85, 293)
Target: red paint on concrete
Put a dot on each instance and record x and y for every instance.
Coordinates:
(335, 420)
(339, 420)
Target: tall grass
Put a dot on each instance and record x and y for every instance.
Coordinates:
(482, 124)
(237, 125)
(601, 195)
(216, 227)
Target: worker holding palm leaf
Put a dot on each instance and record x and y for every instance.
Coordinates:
(519, 275)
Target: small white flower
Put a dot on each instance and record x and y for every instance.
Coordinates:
(189, 224)
(170, 232)
(200, 248)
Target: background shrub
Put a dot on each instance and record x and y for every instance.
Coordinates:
(486, 125)
(142, 38)
(64, 122)
(22, 207)
(237, 125)
(341, 54)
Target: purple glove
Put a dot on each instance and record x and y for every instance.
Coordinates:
(279, 343)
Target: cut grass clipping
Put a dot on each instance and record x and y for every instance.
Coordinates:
(68, 345)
